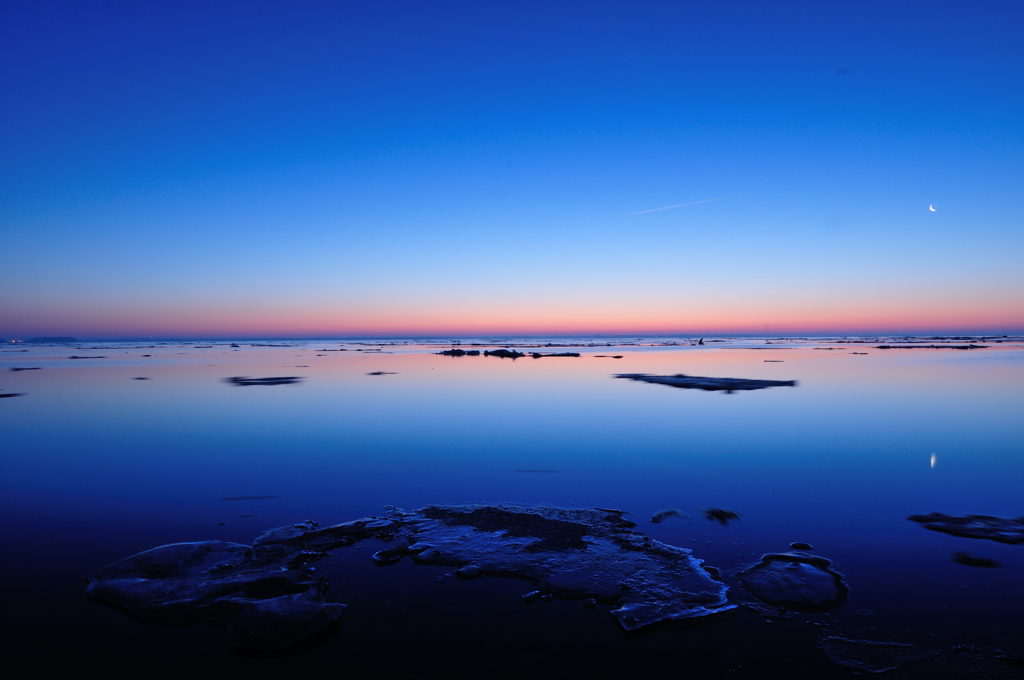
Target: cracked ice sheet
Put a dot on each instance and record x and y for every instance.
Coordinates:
(268, 597)
(574, 553)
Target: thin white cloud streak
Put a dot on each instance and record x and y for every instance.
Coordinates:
(669, 207)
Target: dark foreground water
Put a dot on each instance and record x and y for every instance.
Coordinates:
(98, 465)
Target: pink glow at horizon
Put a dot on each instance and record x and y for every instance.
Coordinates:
(472, 318)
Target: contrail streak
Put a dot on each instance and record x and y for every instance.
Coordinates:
(669, 207)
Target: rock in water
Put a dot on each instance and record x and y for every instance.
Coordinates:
(662, 515)
(503, 354)
(795, 581)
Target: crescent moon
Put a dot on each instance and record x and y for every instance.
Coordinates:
(931, 208)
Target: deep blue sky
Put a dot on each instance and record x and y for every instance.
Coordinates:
(316, 168)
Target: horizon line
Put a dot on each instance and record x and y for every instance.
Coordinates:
(42, 339)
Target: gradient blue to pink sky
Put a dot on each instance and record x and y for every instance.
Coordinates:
(316, 169)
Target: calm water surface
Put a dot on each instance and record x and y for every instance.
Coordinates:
(97, 465)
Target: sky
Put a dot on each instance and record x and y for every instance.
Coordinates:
(300, 169)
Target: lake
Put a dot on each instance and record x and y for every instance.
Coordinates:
(99, 464)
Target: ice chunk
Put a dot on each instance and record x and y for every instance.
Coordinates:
(974, 526)
(795, 581)
(729, 385)
(574, 553)
(262, 604)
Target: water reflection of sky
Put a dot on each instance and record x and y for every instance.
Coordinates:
(838, 461)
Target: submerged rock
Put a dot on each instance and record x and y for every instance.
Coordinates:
(974, 526)
(538, 355)
(971, 561)
(719, 515)
(460, 352)
(870, 656)
(795, 581)
(728, 385)
(800, 545)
